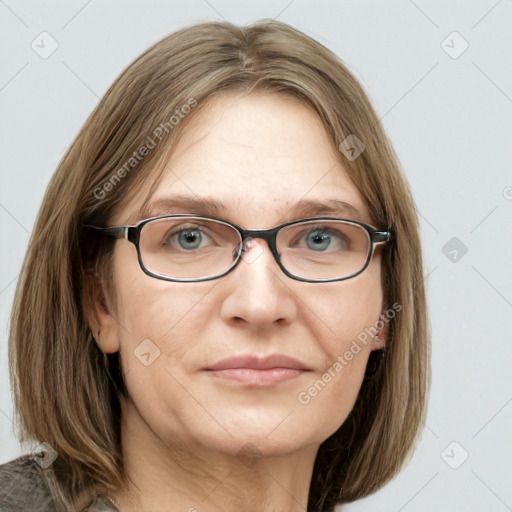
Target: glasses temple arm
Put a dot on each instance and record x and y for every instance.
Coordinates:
(381, 237)
(114, 231)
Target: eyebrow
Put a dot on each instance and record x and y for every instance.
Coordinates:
(212, 207)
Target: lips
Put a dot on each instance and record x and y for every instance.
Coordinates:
(259, 363)
(259, 371)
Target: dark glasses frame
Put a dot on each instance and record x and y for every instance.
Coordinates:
(132, 234)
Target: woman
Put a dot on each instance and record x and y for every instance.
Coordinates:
(222, 303)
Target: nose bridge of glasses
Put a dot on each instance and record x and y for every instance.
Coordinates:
(265, 234)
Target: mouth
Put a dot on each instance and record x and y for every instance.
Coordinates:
(257, 370)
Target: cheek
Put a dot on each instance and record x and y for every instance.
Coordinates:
(144, 306)
(158, 317)
(349, 311)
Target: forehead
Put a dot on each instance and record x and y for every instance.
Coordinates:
(255, 160)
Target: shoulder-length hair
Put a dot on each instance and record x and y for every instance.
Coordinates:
(66, 390)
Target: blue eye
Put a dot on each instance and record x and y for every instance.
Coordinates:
(323, 238)
(188, 238)
(318, 240)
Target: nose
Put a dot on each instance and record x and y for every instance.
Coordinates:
(258, 294)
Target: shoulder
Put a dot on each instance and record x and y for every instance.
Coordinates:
(23, 487)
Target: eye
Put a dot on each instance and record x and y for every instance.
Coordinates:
(188, 238)
(322, 238)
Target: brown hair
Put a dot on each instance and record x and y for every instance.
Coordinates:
(66, 390)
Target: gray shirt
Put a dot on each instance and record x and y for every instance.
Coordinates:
(23, 488)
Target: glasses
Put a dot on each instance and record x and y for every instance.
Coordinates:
(189, 248)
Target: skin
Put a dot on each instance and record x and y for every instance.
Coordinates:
(183, 432)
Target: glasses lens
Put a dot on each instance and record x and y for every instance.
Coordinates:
(323, 249)
(188, 247)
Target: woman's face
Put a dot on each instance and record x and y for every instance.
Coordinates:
(259, 155)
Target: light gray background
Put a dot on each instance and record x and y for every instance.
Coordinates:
(450, 121)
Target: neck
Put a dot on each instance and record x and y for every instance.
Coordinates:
(184, 475)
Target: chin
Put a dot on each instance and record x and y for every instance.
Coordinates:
(267, 435)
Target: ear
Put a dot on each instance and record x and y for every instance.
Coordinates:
(100, 319)
(382, 334)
